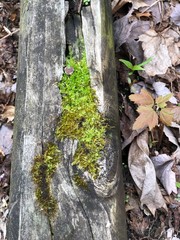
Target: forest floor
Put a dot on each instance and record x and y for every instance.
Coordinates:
(147, 49)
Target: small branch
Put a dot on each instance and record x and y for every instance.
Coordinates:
(10, 34)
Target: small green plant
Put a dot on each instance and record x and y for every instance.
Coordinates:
(178, 184)
(126, 198)
(86, 2)
(137, 67)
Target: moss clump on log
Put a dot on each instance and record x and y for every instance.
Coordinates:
(42, 172)
(80, 118)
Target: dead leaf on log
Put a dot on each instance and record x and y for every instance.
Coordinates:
(163, 165)
(143, 173)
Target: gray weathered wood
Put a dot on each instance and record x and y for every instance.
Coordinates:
(82, 214)
(41, 57)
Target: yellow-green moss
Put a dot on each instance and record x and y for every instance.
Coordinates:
(80, 117)
(42, 172)
(80, 181)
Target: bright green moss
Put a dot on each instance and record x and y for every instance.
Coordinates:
(42, 172)
(80, 117)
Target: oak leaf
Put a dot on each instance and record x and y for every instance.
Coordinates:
(166, 116)
(147, 118)
(143, 98)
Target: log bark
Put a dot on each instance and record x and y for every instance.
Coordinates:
(93, 214)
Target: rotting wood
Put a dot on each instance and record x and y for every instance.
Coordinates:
(97, 213)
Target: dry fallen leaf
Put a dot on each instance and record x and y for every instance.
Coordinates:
(147, 118)
(8, 113)
(1, 153)
(175, 15)
(176, 114)
(155, 10)
(6, 140)
(163, 164)
(144, 14)
(154, 46)
(163, 48)
(143, 173)
(118, 4)
(166, 116)
(169, 134)
(143, 98)
(161, 90)
(176, 156)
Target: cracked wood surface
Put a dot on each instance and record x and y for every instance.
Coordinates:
(94, 214)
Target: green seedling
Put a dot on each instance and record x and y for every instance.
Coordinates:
(86, 2)
(137, 67)
(178, 184)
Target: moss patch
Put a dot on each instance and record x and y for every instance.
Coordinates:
(42, 172)
(80, 181)
(80, 117)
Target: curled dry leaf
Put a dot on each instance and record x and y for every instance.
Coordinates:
(163, 165)
(169, 134)
(143, 173)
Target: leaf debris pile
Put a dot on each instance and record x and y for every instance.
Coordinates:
(149, 101)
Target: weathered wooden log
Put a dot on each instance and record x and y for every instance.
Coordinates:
(96, 211)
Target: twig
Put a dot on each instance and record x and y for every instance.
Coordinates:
(150, 6)
(10, 34)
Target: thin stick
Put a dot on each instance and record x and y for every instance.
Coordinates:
(10, 34)
(150, 6)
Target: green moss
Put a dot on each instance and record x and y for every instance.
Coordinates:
(42, 172)
(80, 181)
(80, 117)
